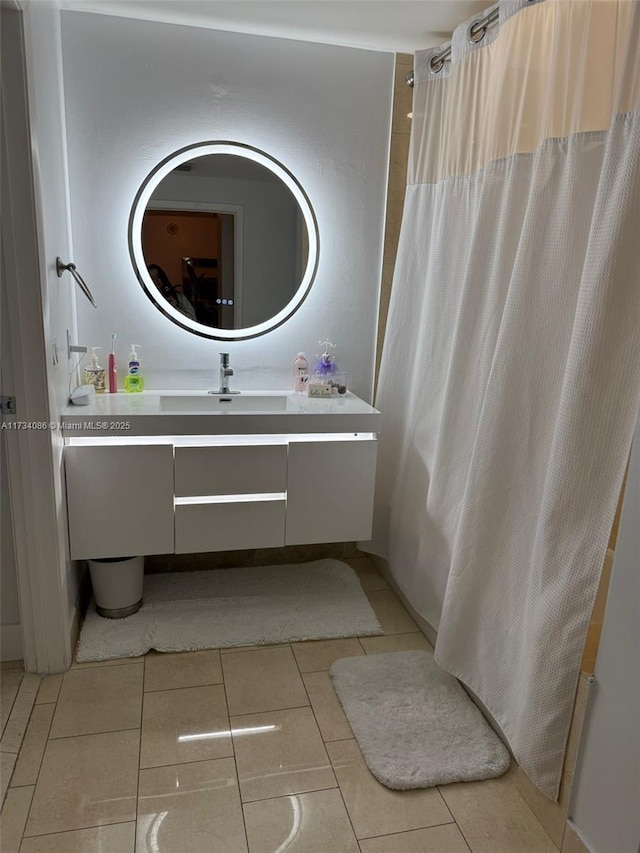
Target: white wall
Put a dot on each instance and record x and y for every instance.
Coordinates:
(605, 806)
(136, 91)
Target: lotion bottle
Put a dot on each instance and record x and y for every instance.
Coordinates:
(133, 381)
(300, 373)
(94, 374)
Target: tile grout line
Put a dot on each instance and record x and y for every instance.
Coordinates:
(80, 829)
(464, 837)
(17, 788)
(445, 804)
(181, 764)
(269, 711)
(340, 739)
(9, 720)
(564, 833)
(406, 831)
(42, 705)
(297, 794)
(335, 775)
(233, 756)
(260, 647)
(17, 754)
(536, 818)
(35, 786)
(190, 687)
(135, 827)
(92, 734)
(12, 704)
(103, 664)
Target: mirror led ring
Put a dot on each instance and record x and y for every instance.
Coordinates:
(138, 209)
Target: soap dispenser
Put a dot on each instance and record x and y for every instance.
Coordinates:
(300, 373)
(94, 374)
(133, 381)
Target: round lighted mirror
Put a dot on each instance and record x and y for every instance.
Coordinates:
(223, 240)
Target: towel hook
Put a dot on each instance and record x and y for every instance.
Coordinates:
(61, 267)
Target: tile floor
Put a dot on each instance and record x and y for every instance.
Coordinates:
(230, 751)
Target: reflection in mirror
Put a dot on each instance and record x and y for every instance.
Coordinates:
(225, 241)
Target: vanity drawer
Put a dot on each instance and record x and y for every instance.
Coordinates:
(230, 470)
(229, 525)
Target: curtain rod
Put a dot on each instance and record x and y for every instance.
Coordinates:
(476, 32)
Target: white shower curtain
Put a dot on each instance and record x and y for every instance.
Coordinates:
(510, 376)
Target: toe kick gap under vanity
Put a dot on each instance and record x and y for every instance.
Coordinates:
(171, 472)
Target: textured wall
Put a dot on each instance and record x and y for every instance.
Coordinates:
(135, 91)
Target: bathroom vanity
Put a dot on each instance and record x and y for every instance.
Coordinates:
(184, 472)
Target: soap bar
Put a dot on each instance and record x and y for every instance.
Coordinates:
(319, 389)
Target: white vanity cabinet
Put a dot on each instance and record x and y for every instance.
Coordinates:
(191, 483)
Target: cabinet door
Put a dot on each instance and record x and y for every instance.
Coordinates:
(119, 500)
(330, 489)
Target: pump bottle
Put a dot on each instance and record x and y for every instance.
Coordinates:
(300, 373)
(133, 381)
(94, 374)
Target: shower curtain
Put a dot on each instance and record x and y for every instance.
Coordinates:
(510, 375)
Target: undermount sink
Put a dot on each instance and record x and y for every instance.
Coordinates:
(249, 402)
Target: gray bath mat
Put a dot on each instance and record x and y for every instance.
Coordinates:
(414, 723)
(184, 611)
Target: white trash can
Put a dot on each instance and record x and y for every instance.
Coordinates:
(117, 585)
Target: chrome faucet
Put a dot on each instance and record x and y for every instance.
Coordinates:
(225, 372)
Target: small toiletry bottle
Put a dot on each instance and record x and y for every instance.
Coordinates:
(133, 381)
(94, 374)
(300, 373)
(113, 372)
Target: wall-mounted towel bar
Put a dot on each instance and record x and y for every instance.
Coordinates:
(61, 267)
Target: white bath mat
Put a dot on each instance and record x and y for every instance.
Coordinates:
(414, 723)
(184, 611)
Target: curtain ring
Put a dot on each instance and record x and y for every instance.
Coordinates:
(436, 64)
(476, 32)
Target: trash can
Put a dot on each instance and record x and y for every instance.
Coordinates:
(117, 585)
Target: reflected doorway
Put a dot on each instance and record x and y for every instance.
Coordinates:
(194, 257)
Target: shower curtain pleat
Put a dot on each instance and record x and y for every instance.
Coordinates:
(510, 375)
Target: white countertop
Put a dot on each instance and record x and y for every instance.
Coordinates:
(146, 413)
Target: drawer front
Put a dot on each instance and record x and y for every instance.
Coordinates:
(119, 500)
(230, 470)
(229, 526)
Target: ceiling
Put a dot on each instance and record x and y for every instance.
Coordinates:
(391, 25)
